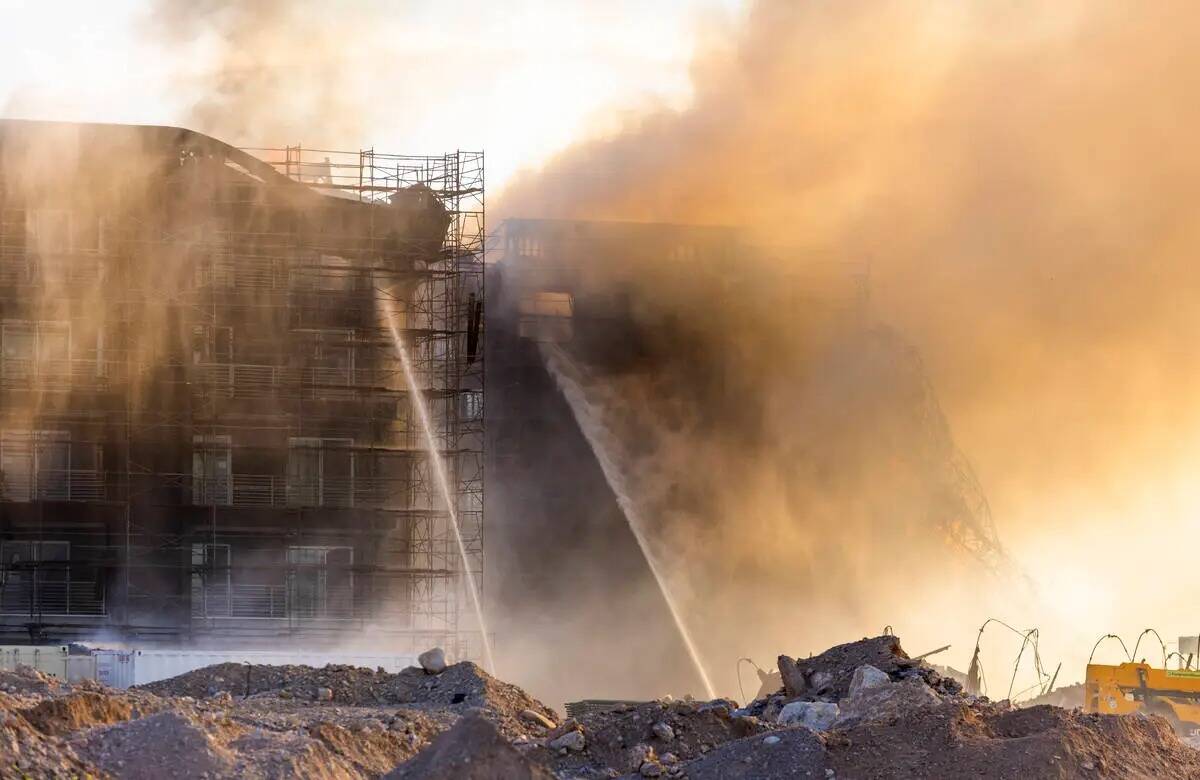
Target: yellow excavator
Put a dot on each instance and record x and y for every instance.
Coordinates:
(1138, 687)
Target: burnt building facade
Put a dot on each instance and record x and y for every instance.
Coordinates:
(206, 432)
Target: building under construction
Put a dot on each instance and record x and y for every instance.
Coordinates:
(206, 433)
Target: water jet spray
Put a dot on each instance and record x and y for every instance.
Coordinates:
(439, 469)
(556, 363)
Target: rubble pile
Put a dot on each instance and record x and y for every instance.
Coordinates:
(332, 722)
(864, 709)
(957, 738)
(457, 689)
(879, 713)
(663, 734)
(472, 750)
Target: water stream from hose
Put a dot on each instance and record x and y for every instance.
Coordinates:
(439, 469)
(565, 374)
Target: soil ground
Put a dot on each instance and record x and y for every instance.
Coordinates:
(234, 721)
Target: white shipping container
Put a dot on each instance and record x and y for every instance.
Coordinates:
(114, 668)
(50, 659)
(80, 667)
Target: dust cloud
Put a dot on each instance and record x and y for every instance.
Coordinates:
(269, 71)
(1019, 181)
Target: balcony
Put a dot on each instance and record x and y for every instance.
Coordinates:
(27, 593)
(57, 375)
(19, 485)
(19, 267)
(330, 602)
(268, 491)
(239, 601)
(244, 380)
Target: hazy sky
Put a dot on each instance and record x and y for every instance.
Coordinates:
(519, 79)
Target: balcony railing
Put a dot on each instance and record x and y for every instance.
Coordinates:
(20, 266)
(22, 594)
(278, 491)
(244, 380)
(16, 372)
(229, 380)
(242, 601)
(219, 600)
(52, 485)
(264, 491)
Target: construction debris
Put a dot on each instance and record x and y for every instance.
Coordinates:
(472, 750)
(858, 710)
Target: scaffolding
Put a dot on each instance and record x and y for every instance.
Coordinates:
(223, 448)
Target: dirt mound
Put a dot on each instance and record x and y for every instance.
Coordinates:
(461, 687)
(473, 750)
(623, 738)
(789, 753)
(267, 754)
(464, 687)
(27, 681)
(237, 679)
(166, 744)
(77, 711)
(961, 739)
(26, 752)
(369, 748)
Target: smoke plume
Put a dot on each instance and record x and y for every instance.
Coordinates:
(269, 71)
(1019, 179)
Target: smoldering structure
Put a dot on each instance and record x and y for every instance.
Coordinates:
(762, 461)
(204, 434)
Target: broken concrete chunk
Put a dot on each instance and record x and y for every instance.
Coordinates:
(663, 731)
(570, 724)
(573, 741)
(867, 676)
(820, 682)
(794, 683)
(433, 661)
(813, 715)
(324, 694)
(886, 702)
